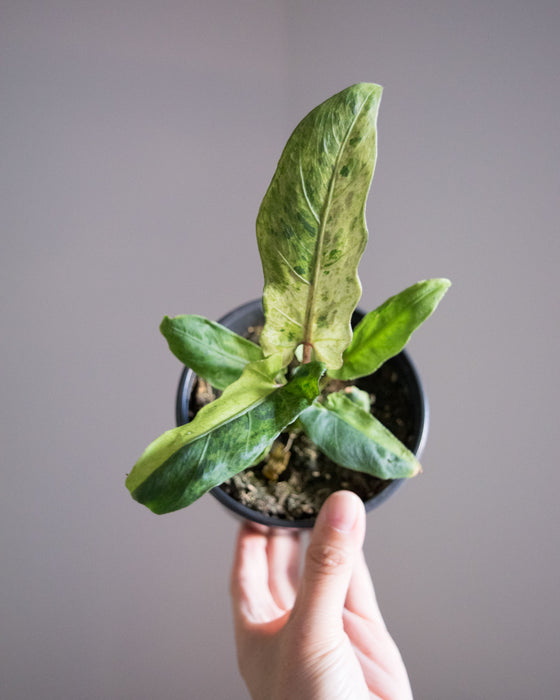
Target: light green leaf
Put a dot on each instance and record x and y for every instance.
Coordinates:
(224, 438)
(311, 226)
(384, 332)
(356, 439)
(211, 350)
(359, 397)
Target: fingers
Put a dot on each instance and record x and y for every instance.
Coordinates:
(283, 567)
(335, 544)
(266, 565)
(379, 657)
(361, 598)
(251, 596)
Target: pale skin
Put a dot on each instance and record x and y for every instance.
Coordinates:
(318, 635)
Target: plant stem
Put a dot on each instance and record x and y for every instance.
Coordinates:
(307, 348)
(290, 441)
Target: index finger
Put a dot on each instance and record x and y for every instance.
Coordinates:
(252, 600)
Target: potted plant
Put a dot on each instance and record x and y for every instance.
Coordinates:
(292, 382)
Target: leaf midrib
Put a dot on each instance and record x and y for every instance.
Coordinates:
(310, 307)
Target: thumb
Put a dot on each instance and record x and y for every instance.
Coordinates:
(335, 543)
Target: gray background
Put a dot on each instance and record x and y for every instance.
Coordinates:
(138, 139)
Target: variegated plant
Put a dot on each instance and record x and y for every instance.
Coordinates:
(311, 233)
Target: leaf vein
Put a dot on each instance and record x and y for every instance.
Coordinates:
(203, 453)
(304, 189)
(297, 323)
(249, 428)
(291, 267)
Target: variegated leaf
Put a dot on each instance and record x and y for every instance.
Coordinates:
(311, 227)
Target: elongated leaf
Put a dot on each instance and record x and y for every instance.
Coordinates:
(355, 439)
(311, 226)
(209, 349)
(185, 463)
(256, 382)
(384, 332)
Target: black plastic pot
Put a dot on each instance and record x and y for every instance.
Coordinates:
(251, 314)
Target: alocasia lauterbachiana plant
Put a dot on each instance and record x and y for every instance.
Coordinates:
(311, 233)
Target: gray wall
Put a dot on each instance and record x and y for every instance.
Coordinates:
(138, 139)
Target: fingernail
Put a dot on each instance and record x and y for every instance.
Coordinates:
(341, 511)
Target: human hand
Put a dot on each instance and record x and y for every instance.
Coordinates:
(320, 637)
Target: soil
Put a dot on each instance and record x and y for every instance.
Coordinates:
(299, 491)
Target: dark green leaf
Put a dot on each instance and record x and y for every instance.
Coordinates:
(185, 463)
(355, 439)
(384, 332)
(311, 226)
(211, 350)
(256, 382)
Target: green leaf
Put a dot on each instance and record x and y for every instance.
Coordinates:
(311, 226)
(211, 350)
(384, 332)
(226, 437)
(355, 439)
(358, 396)
(256, 382)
